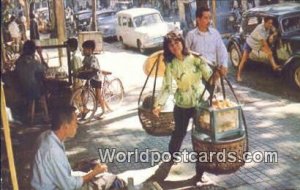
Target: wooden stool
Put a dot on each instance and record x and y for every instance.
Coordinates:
(31, 109)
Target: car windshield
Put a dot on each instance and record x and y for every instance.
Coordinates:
(146, 20)
(291, 24)
(107, 17)
(84, 15)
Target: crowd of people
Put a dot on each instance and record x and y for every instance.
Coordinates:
(189, 63)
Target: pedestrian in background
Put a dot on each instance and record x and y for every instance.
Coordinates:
(207, 41)
(34, 30)
(14, 32)
(76, 62)
(257, 43)
(22, 26)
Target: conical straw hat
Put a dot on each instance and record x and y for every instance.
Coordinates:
(151, 60)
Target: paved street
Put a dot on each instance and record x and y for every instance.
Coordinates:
(273, 125)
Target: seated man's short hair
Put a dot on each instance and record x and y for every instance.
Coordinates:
(62, 115)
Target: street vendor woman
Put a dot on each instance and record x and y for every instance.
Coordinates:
(188, 71)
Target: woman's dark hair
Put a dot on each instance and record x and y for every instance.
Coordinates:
(173, 36)
(90, 44)
(61, 116)
(267, 18)
(73, 43)
(29, 48)
(200, 11)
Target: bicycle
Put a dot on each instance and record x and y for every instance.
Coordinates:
(84, 98)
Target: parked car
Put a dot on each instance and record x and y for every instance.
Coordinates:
(286, 48)
(82, 19)
(123, 5)
(142, 28)
(107, 22)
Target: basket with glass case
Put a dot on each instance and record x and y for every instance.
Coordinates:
(220, 120)
(220, 126)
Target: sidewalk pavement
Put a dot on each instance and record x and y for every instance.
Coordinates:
(273, 125)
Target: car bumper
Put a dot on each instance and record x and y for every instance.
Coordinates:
(106, 33)
(156, 42)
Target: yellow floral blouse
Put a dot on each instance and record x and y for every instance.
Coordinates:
(188, 75)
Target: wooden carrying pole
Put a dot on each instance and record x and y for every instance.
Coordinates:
(214, 13)
(8, 143)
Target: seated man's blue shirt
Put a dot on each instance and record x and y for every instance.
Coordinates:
(51, 168)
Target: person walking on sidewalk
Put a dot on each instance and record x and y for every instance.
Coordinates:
(34, 30)
(257, 43)
(207, 41)
(188, 71)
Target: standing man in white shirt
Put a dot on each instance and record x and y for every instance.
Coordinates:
(207, 41)
(15, 34)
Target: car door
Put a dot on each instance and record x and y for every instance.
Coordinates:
(132, 34)
(125, 30)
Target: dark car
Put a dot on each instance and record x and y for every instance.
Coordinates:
(123, 5)
(82, 19)
(286, 47)
(107, 22)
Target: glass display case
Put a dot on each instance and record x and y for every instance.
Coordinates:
(58, 60)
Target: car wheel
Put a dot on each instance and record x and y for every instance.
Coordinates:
(235, 55)
(295, 73)
(140, 47)
(122, 42)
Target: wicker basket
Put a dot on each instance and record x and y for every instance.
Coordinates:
(162, 126)
(237, 145)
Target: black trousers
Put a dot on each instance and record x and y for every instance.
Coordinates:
(181, 117)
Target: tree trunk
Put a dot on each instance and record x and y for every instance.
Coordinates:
(94, 23)
(60, 20)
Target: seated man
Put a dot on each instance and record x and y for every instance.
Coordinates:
(257, 43)
(51, 169)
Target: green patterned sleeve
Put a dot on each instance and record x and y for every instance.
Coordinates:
(205, 69)
(166, 88)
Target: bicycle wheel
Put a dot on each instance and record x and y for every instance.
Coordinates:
(84, 100)
(113, 92)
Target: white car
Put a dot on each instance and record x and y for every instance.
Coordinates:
(143, 28)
